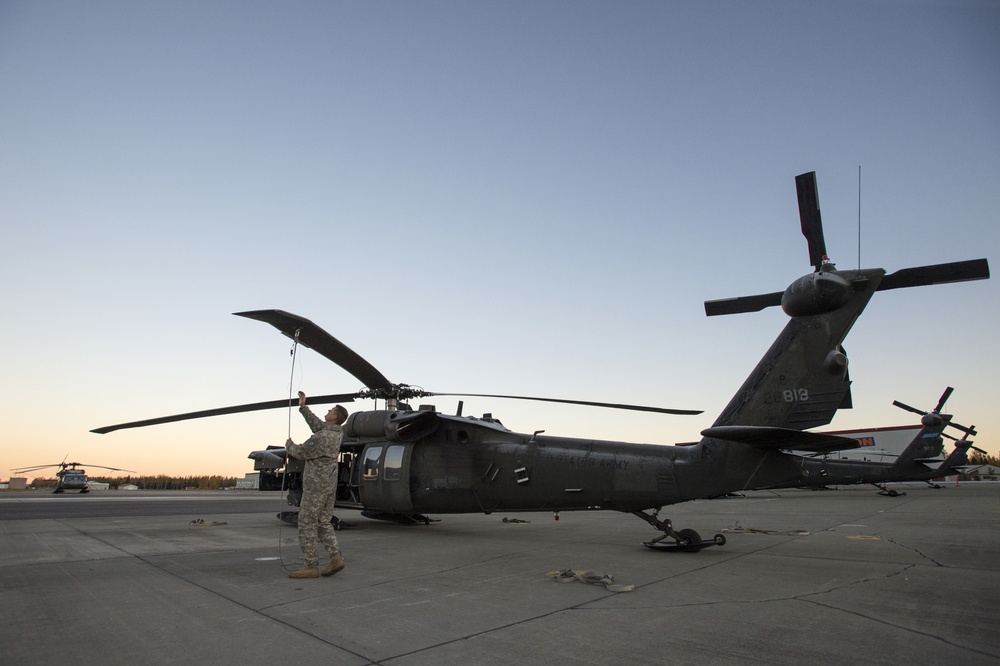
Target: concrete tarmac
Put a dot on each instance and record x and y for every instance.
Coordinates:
(841, 576)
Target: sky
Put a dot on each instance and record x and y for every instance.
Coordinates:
(526, 198)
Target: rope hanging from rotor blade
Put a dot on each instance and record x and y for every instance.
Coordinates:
(284, 473)
(291, 380)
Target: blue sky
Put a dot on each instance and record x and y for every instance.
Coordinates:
(529, 198)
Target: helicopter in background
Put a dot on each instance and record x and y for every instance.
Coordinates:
(399, 463)
(919, 461)
(70, 475)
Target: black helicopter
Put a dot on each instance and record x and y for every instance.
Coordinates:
(919, 461)
(403, 463)
(69, 476)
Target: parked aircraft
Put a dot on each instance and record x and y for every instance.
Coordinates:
(920, 461)
(401, 463)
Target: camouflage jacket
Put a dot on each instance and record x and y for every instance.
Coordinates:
(321, 453)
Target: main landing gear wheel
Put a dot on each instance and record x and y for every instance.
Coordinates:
(690, 541)
(885, 491)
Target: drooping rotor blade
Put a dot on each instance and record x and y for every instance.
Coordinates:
(236, 409)
(809, 217)
(314, 337)
(25, 470)
(587, 403)
(739, 304)
(113, 469)
(959, 271)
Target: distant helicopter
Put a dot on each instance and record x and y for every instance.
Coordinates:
(399, 463)
(919, 461)
(69, 476)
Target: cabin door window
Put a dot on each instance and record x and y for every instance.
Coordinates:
(369, 468)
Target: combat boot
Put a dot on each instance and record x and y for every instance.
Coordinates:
(306, 572)
(335, 565)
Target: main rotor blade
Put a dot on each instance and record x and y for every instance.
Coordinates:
(25, 470)
(809, 217)
(314, 337)
(587, 403)
(742, 304)
(114, 469)
(236, 409)
(959, 271)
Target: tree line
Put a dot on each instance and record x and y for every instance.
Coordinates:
(159, 482)
(990, 465)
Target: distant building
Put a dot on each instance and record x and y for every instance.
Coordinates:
(98, 485)
(878, 444)
(17, 483)
(128, 486)
(248, 482)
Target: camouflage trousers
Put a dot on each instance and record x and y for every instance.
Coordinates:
(315, 514)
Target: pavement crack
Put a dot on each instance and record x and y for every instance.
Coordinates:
(900, 627)
(915, 550)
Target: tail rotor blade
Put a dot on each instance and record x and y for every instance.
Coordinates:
(920, 276)
(756, 303)
(897, 403)
(809, 216)
(968, 430)
(944, 398)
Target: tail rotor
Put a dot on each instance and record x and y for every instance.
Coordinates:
(934, 416)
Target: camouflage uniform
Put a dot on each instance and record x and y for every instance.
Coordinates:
(319, 486)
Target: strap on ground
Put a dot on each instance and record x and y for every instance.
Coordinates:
(591, 578)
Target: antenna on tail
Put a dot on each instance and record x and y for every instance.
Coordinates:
(859, 217)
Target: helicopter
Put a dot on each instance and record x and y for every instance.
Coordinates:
(400, 463)
(70, 476)
(914, 463)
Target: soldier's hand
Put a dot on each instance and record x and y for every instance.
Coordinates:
(302, 399)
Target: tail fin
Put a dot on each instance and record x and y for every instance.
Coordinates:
(928, 444)
(956, 461)
(925, 448)
(802, 380)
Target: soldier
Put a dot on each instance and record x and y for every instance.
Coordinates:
(319, 489)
